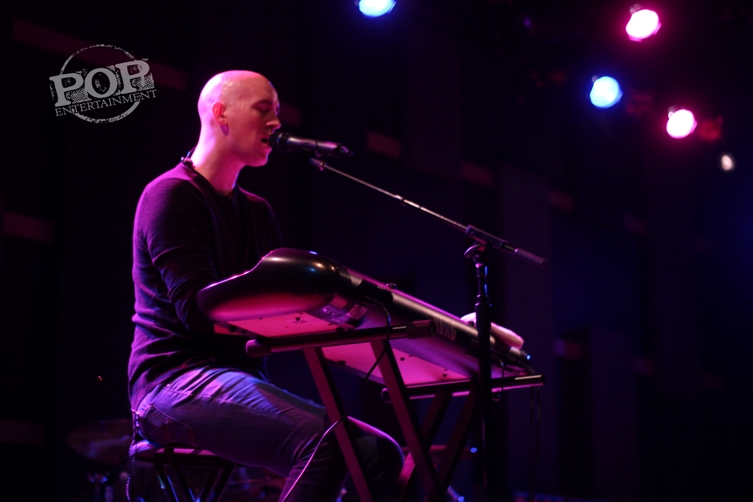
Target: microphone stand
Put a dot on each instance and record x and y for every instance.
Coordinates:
(479, 253)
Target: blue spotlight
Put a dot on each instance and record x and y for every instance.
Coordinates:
(606, 92)
(375, 8)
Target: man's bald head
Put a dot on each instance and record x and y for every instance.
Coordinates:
(227, 88)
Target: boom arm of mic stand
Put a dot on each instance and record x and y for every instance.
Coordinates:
(480, 236)
(483, 237)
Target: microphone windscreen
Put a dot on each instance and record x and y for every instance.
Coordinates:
(278, 140)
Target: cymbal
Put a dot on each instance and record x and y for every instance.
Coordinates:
(105, 441)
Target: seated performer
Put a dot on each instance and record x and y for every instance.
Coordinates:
(194, 227)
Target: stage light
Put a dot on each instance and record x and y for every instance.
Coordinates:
(375, 8)
(727, 162)
(680, 123)
(643, 23)
(605, 92)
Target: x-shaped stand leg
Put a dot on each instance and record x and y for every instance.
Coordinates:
(435, 481)
(419, 438)
(344, 432)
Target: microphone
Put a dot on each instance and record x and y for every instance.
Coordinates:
(285, 142)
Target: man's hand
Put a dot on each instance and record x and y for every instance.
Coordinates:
(503, 335)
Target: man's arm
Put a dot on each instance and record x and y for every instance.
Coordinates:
(175, 230)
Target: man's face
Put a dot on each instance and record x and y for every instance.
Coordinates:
(251, 111)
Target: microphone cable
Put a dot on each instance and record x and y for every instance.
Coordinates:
(355, 399)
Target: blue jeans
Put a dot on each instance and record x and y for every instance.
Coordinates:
(250, 421)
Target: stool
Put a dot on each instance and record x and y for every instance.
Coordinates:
(169, 461)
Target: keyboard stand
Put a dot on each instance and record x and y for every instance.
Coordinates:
(435, 480)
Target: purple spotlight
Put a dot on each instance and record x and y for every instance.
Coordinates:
(681, 123)
(643, 23)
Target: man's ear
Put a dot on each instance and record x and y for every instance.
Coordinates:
(219, 113)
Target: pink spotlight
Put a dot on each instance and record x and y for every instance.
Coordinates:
(643, 23)
(681, 123)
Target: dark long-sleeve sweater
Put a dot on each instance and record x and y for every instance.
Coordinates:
(187, 236)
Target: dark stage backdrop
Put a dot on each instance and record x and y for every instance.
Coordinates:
(641, 323)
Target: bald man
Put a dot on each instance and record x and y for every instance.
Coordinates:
(193, 227)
